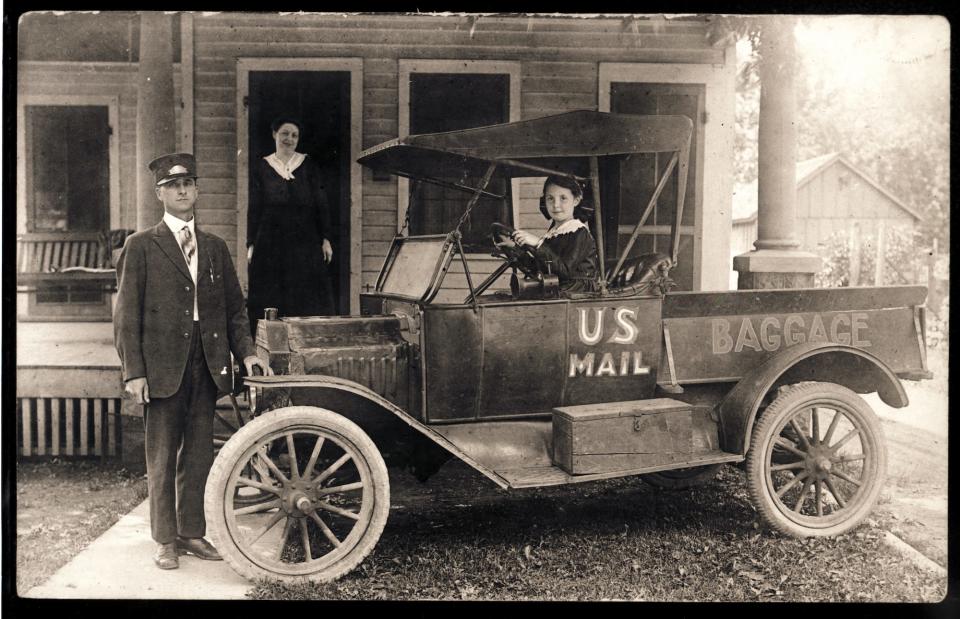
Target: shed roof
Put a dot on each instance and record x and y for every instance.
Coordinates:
(745, 194)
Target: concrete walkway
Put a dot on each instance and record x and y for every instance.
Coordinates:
(119, 565)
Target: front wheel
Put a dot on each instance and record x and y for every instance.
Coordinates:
(329, 496)
(817, 460)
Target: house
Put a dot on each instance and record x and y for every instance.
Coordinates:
(355, 80)
(832, 195)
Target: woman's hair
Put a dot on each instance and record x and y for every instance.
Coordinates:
(286, 120)
(565, 182)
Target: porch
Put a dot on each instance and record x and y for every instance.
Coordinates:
(69, 391)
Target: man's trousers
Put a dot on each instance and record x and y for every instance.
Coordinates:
(178, 439)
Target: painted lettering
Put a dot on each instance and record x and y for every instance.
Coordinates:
(607, 367)
(859, 324)
(769, 342)
(581, 366)
(722, 342)
(747, 337)
(789, 336)
(626, 327)
(842, 328)
(817, 331)
(638, 367)
(591, 337)
(835, 336)
(608, 364)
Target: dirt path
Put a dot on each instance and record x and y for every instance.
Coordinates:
(913, 505)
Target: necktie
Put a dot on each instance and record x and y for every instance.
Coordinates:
(187, 244)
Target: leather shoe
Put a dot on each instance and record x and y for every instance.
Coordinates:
(198, 547)
(166, 556)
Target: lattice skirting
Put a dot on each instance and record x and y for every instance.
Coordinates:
(87, 427)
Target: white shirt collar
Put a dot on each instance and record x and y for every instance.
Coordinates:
(285, 170)
(176, 224)
(571, 225)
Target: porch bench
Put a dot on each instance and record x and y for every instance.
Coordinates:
(67, 275)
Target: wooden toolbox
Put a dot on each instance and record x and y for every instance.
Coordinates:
(598, 438)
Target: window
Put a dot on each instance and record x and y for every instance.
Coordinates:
(640, 173)
(449, 102)
(67, 168)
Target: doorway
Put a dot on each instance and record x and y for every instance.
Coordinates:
(321, 100)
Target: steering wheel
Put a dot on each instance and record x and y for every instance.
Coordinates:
(519, 256)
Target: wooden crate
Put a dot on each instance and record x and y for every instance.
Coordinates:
(68, 427)
(599, 438)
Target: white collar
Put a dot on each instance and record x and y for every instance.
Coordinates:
(176, 224)
(571, 225)
(285, 170)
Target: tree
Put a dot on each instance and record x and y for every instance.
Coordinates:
(892, 123)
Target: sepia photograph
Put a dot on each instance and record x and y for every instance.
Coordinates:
(447, 306)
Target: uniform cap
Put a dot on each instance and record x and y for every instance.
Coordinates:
(170, 167)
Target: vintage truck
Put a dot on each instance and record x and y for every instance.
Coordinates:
(533, 386)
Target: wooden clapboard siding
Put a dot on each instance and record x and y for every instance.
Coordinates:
(455, 289)
(98, 79)
(652, 25)
(559, 62)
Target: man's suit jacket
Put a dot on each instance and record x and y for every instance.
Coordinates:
(153, 319)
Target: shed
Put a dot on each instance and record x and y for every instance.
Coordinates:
(832, 194)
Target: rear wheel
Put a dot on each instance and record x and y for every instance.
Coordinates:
(681, 479)
(817, 460)
(329, 496)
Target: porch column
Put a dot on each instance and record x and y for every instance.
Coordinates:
(156, 129)
(777, 261)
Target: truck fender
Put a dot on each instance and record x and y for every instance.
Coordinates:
(844, 365)
(361, 405)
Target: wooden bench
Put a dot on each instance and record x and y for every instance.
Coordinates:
(67, 275)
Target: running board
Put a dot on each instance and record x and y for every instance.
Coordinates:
(516, 454)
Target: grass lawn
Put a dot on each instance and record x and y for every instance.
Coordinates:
(456, 538)
(62, 506)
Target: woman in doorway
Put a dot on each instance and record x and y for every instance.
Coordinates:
(567, 249)
(288, 232)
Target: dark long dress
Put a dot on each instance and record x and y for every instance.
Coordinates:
(573, 259)
(287, 221)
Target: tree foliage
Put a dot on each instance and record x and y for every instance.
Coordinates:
(894, 126)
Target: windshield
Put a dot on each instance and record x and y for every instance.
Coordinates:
(412, 265)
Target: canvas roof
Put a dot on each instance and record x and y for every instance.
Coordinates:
(541, 141)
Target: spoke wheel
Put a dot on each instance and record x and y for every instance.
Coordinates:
(681, 479)
(224, 428)
(329, 496)
(817, 460)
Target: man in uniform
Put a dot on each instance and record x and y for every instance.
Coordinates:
(179, 314)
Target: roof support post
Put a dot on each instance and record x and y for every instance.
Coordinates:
(156, 131)
(777, 261)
